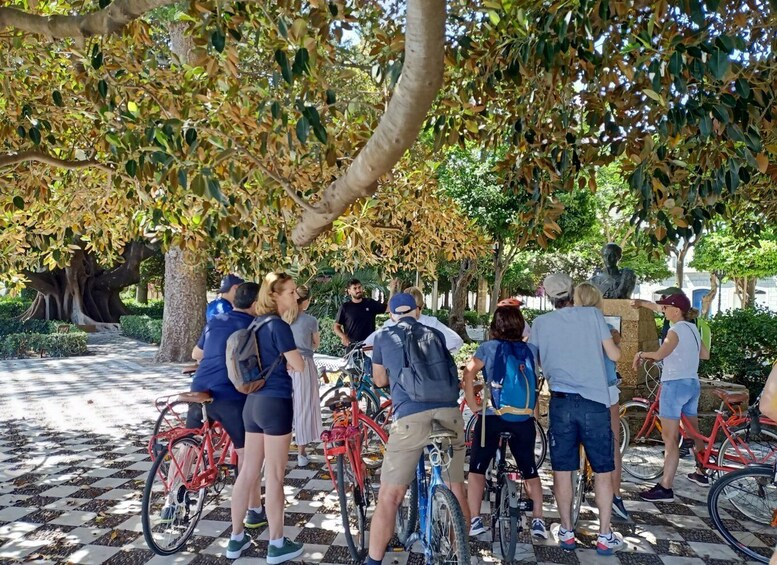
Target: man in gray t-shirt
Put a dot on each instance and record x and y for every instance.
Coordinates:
(572, 343)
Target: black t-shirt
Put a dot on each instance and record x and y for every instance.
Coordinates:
(358, 318)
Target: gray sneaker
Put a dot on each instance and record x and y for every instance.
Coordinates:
(236, 547)
(288, 551)
(255, 519)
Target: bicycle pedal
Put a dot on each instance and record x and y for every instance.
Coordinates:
(525, 504)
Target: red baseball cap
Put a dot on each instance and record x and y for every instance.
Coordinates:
(514, 302)
(678, 300)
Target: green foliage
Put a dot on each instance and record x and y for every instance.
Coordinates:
(744, 346)
(472, 318)
(142, 328)
(330, 343)
(40, 337)
(463, 354)
(51, 345)
(153, 309)
(329, 291)
(11, 307)
(749, 253)
(529, 314)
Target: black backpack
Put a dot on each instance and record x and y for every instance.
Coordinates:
(429, 372)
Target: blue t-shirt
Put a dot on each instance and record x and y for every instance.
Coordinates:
(388, 352)
(211, 373)
(218, 306)
(486, 352)
(609, 366)
(571, 353)
(275, 338)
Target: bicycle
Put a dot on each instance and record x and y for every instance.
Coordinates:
(644, 454)
(743, 507)
(172, 415)
(353, 364)
(430, 513)
(190, 463)
(507, 513)
(357, 445)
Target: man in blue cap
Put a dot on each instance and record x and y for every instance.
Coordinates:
(225, 302)
(433, 398)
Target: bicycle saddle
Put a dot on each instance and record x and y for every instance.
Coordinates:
(198, 397)
(439, 431)
(506, 435)
(732, 397)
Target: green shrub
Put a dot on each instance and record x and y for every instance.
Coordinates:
(11, 307)
(52, 344)
(330, 343)
(744, 346)
(153, 309)
(529, 314)
(8, 327)
(463, 354)
(143, 328)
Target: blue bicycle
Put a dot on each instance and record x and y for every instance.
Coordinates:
(431, 514)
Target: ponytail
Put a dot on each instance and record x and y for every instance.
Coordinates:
(691, 315)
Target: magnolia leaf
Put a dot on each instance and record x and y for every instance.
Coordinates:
(35, 135)
(303, 129)
(283, 62)
(102, 88)
(18, 201)
(131, 167)
(763, 162)
(218, 40)
(57, 96)
(718, 64)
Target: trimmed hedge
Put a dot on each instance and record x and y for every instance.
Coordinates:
(153, 309)
(143, 328)
(40, 337)
(12, 307)
(330, 343)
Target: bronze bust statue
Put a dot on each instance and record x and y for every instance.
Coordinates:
(612, 281)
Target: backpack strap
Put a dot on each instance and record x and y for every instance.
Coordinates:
(254, 327)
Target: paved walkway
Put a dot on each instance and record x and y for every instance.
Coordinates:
(73, 464)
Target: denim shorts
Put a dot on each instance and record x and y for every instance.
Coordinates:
(575, 420)
(679, 396)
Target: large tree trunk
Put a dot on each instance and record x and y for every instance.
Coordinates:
(460, 284)
(85, 292)
(680, 269)
(706, 301)
(186, 284)
(141, 292)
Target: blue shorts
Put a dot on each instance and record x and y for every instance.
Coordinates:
(227, 411)
(679, 396)
(575, 420)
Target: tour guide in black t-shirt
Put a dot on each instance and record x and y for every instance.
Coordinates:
(356, 319)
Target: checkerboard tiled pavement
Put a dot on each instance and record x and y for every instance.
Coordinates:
(73, 464)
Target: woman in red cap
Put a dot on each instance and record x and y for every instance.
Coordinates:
(680, 388)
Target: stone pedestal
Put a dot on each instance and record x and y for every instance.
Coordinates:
(638, 333)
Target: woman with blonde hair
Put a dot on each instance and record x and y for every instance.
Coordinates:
(307, 408)
(268, 415)
(587, 294)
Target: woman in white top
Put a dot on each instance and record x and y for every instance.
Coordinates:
(680, 387)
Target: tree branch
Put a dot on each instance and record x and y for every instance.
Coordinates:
(107, 21)
(22, 156)
(421, 79)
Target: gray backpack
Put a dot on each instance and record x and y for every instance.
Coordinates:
(244, 364)
(429, 372)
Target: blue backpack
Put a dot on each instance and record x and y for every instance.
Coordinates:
(513, 384)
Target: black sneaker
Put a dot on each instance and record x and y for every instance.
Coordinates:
(658, 494)
(699, 478)
(618, 509)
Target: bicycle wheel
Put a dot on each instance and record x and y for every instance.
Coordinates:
(172, 416)
(625, 433)
(352, 509)
(170, 512)
(742, 505)
(407, 515)
(578, 488)
(383, 418)
(374, 440)
(540, 444)
(507, 523)
(450, 537)
(748, 448)
(643, 457)
(368, 404)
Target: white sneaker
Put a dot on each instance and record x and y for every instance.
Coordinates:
(609, 544)
(538, 528)
(302, 461)
(476, 527)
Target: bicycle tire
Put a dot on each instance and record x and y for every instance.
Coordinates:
(762, 477)
(761, 449)
(407, 516)
(151, 508)
(458, 552)
(625, 435)
(578, 488)
(643, 457)
(368, 403)
(383, 418)
(170, 417)
(352, 510)
(508, 524)
(374, 440)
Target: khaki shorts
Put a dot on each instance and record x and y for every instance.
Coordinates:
(409, 436)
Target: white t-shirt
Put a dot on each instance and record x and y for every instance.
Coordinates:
(683, 362)
(453, 341)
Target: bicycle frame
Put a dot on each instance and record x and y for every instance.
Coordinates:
(206, 467)
(426, 486)
(735, 419)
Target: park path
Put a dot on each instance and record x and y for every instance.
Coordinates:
(73, 462)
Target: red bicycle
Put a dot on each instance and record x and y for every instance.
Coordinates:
(188, 465)
(356, 444)
(644, 454)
